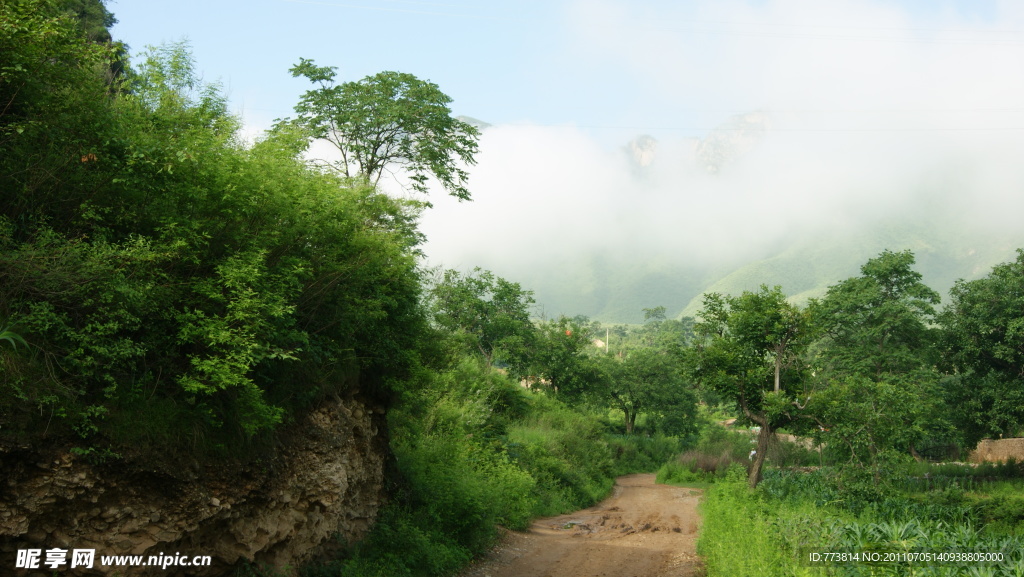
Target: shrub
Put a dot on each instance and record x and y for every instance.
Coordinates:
(641, 453)
(787, 454)
(716, 451)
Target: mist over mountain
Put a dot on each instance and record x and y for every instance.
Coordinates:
(607, 231)
(776, 142)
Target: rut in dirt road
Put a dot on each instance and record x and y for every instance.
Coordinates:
(642, 530)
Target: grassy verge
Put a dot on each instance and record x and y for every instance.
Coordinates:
(772, 531)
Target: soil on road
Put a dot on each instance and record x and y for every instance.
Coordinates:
(642, 530)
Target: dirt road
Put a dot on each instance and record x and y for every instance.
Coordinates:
(642, 530)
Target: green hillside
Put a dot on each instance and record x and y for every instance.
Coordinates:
(615, 288)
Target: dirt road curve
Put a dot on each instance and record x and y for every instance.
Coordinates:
(642, 530)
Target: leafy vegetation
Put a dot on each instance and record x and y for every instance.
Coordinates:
(747, 344)
(983, 334)
(491, 314)
(175, 289)
(476, 450)
(166, 289)
(388, 119)
(774, 530)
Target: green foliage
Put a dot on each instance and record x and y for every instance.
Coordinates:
(878, 389)
(769, 532)
(561, 358)
(198, 291)
(716, 452)
(489, 314)
(642, 453)
(94, 20)
(749, 350)
(866, 419)
(783, 453)
(12, 338)
(983, 334)
(651, 381)
(736, 539)
(385, 120)
(877, 323)
(566, 452)
(644, 378)
(54, 104)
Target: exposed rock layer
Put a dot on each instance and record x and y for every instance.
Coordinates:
(323, 488)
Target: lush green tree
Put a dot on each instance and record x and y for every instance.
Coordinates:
(646, 381)
(748, 349)
(490, 314)
(875, 362)
(94, 20)
(877, 324)
(655, 314)
(388, 120)
(983, 346)
(561, 357)
(54, 110)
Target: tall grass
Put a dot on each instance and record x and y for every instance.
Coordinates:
(737, 538)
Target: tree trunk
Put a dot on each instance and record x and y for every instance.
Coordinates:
(762, 451)
(630, 421)
(914, 454)
(778, 372)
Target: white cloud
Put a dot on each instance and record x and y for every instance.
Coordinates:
(876, 111)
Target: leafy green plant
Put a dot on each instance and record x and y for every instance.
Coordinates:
(6, 334)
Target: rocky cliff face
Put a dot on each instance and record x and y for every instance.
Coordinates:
(731, 141)
(722, 146)
(322, 489)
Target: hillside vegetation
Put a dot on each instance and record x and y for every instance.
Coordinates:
(169, 293)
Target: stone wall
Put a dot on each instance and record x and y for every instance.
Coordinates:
(998, 450)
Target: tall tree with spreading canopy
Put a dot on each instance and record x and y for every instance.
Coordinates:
(876, 360)
(983, 347)
(646, 381)
(748, 349)
(388, 120)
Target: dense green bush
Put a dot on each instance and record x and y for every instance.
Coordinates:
(788, 454)
(566, 452)
(177, 290)
(642, 453)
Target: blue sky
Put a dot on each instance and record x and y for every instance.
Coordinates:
(596, 64)
(500, 63)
